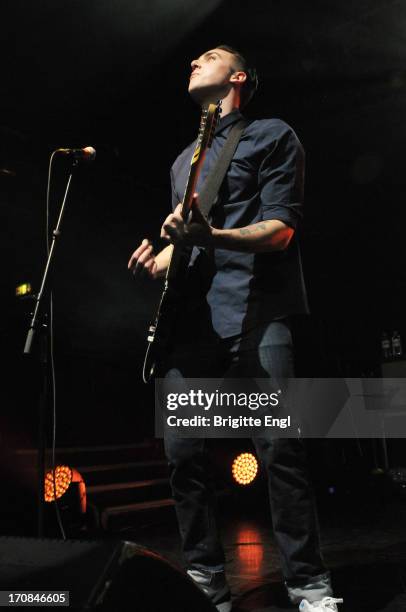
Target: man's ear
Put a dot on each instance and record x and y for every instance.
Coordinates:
(238, 77)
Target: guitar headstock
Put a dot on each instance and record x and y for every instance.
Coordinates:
(208, 123)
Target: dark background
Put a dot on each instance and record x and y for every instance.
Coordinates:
(113, 74)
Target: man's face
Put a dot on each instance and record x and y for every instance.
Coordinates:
(210, 77)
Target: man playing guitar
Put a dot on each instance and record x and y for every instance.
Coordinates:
(244, 281)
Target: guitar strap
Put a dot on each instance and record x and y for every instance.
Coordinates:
(211, 186)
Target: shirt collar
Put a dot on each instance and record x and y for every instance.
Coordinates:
(229, 119)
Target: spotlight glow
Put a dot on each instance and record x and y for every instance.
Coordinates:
(23, 289)
(63, 478)
(245, 468)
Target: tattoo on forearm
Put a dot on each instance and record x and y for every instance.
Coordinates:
(257, 227)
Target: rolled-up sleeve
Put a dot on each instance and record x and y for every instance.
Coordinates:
(281, 180)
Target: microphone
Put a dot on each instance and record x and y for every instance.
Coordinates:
(85, 154)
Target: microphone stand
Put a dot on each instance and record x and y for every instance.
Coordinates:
(42, 328)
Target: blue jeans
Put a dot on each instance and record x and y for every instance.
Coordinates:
(265, 351)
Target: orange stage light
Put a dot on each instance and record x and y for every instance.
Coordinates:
(64, 477)
(245, 468)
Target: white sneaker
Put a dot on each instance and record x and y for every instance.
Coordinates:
(327, 604)
(214, 585)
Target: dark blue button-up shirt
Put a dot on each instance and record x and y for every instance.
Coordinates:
(230, 292)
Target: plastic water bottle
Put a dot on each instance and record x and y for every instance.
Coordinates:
(386, 346)
(396, 344)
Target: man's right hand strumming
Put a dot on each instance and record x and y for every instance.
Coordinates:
(145, 264)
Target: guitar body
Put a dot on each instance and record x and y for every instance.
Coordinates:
(161, 331)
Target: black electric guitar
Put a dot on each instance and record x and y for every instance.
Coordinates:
(160, 331)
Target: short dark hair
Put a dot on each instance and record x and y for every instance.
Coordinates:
(251, 84)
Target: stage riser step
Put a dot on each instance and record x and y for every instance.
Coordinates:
(137, 517)
(112, 455)
(96, 455)
(129, 495)
(95, 475)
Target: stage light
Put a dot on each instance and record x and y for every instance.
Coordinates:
(65, 477)
(245, 468)
(24, 289)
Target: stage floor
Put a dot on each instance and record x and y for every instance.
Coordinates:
(363, 543)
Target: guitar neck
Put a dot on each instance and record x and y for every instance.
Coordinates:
(207, 125)
(190, 190)
(191, 184)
